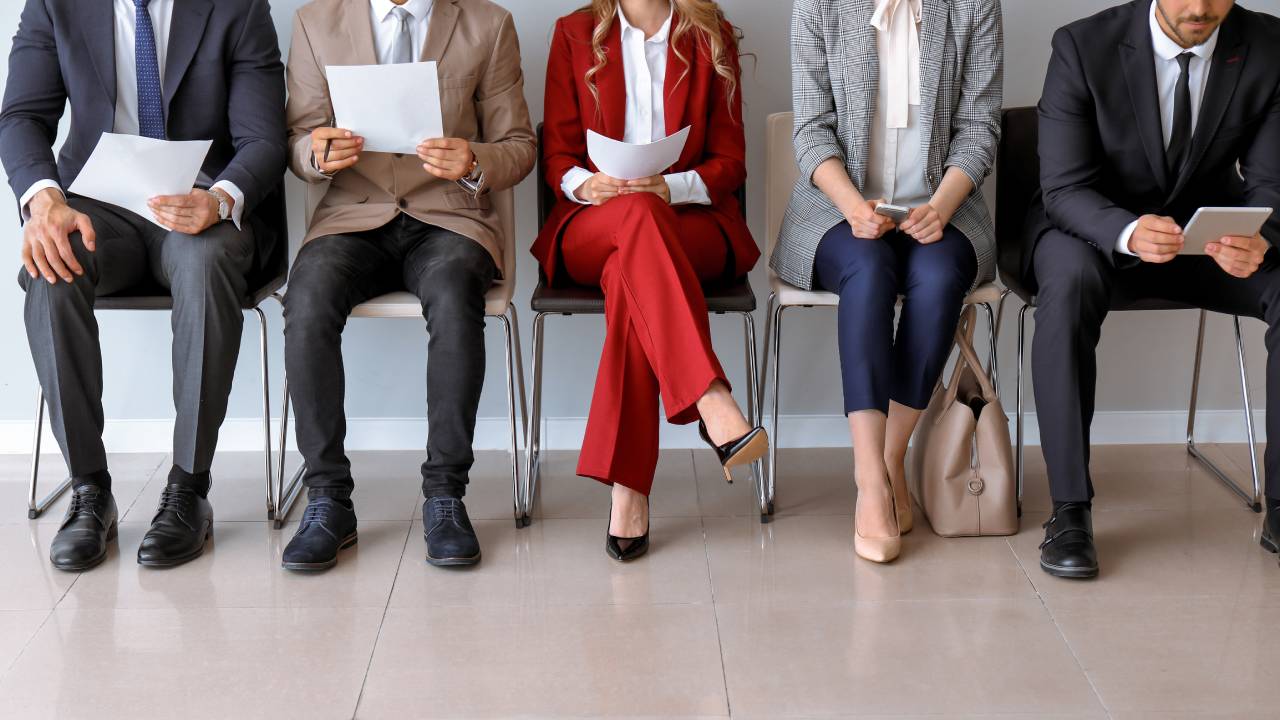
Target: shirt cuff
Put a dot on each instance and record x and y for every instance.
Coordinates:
(1122, 242)
(237, 208)
(573, 180)
(25, 201)
(687, 188)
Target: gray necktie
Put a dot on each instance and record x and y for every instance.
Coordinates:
(402, 48)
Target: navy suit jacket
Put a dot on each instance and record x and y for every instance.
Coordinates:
(223, 81)
(1102, 157)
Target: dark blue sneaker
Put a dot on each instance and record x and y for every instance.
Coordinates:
(327, 526)
(450, 538)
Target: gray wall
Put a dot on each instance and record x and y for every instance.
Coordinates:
(1145, 358)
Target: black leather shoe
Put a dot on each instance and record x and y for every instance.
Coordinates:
(635, 546)
(1067, 550)
(742, 451)
(327, 526)
(1271, 527)
(450, 538)
(182, 525)
(86, 531)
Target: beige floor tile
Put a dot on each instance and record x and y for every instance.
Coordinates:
(560, 562)
(945, 716)
(951, 656)
(1154, 553)
(1144, 477)
(811, 481)
(17, 627)
(241, 568)
(809, 560)
(27, 580)
(553, 661)
(130, 473)
(1141, 715)
(217, 663)
(1189, 655)
(565, 495)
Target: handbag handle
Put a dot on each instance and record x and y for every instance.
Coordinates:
(968, 357)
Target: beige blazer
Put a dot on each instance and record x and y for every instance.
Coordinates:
(482, 94)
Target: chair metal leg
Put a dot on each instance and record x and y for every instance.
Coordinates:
(266, 409)
(533, 446)
(1253, 502)
(753, 403)
(286, 495)
(1021, 441)
(36, 509)
(993, 369)
(774, 439)
(517, 497)
(524, 401)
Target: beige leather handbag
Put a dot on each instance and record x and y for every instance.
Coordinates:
(962, 461)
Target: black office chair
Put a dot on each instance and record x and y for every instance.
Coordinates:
(263, 283)
(1018, 177)
(565, 300)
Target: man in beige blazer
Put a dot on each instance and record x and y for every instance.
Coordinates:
(388, 222)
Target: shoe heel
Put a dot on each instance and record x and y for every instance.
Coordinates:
(1269, 544)
(728, 475)
(349, 542)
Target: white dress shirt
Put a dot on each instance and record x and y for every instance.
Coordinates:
(386, 27)
(126, 117)
(644, 65)
(895, 157)
(1167, 73)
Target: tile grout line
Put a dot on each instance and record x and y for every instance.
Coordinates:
(385, 608)
(715, 611)
(31, 639)
(1074, 657)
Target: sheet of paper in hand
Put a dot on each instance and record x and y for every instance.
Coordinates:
(625, 161)
(128, 170)
(393, 107)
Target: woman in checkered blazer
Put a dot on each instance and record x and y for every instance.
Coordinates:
(896, 102)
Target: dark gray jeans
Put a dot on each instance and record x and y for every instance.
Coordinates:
(207, 276)
(450, 274)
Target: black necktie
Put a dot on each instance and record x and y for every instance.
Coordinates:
(1180, 139)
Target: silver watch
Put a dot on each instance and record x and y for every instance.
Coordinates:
(224, 210)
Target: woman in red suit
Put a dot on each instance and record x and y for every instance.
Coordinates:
(638, 71)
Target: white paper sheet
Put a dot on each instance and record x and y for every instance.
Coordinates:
(625, 161)
(128, 170)
(393, 107)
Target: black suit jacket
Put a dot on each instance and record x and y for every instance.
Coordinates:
(223, 81)
(1102, 158)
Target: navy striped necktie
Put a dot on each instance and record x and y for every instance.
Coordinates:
(150, 94)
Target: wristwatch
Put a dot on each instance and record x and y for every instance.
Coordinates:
(224, 210)
(474, 178)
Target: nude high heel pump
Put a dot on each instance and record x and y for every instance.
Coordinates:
(902, 503)
(879, 549)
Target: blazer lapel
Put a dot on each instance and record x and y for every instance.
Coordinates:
(444, 16)
(611, 83)
(359, 33)
(934, 17)
(99, 33)
(676, 86)
(1137, 58)
(1224, 74)
(189, 20)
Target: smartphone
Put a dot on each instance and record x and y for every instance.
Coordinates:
(1212, 223)
(896, 213)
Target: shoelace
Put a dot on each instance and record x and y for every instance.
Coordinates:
(447, 509)
(83, 502)
(176, 500)
(315, 514)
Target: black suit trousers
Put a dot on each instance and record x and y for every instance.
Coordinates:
(1077, 287)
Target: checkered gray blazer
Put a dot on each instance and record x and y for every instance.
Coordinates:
(835, 77)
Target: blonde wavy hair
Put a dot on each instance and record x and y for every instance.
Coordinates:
(703, 18)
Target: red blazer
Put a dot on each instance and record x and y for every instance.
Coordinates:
(717, 141)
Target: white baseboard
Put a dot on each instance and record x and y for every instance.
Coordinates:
(245, 435)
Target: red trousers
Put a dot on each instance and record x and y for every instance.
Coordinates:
(650, 259)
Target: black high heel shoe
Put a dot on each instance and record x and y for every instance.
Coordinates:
(639, 546)
(742, 451)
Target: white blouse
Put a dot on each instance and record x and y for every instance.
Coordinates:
(895, 155)
(644, 65)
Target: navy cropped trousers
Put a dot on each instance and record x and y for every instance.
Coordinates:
(869, 276)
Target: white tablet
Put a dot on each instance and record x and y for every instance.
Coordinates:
(1210, 224)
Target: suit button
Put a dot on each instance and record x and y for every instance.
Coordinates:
(402, 204)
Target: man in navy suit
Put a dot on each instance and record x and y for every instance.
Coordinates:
(1151, 110)
(170, 70)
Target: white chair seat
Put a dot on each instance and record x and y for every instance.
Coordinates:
(789, 295)
(407, 305)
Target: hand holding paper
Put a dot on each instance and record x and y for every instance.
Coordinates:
(128, 171)
(625, 161)
(393, 107)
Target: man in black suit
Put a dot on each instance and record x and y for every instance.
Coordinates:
(1150, 111)
(168, 70)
